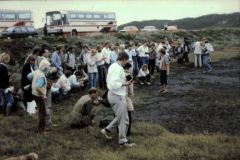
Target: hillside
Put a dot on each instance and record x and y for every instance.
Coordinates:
(206, 21)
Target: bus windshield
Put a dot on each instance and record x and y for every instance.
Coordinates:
(54, 18)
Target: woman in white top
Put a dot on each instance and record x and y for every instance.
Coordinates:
(92, 68)
(144, 75)
(198, 54)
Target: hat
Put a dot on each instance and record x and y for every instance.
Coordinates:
(92, 89)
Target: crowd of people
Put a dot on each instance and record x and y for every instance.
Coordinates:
(112, 68)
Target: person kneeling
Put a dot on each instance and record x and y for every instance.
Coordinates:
(144, 75)
(83, 113)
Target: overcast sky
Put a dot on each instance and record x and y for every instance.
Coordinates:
(128, 10)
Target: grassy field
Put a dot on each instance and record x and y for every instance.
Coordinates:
(153, 143)
(17, 133)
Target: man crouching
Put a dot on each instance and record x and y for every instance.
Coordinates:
(83, 112)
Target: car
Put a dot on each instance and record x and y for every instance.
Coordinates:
(19, 31)
(130, 29)
(149, 29)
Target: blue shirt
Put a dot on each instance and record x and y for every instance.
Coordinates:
(40, 81)
(56, 60)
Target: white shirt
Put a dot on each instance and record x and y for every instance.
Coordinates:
(106, 53)
(197, 48)
(143, 73)
(72, 81)
(129, 54)
(115, 79)
(70, 60)
(99, 59)
(92, 64)
(142, 50)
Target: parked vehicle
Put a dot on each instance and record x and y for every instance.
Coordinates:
(79, 22)
(130, 29)
(149, 29)
(19, 31)
(9, 18)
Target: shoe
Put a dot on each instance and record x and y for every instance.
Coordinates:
(141, 83)
(127, 144)
(164, 91)
(210, 70)
(148, 83)
(106, 134)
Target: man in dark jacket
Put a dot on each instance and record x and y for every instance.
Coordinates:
(25, 82)
(186, 50)
(6, 90)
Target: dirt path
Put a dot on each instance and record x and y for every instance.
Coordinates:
(196, 102)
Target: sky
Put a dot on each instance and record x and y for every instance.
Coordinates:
(128, 10)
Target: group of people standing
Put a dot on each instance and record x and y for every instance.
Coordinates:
(113, 68)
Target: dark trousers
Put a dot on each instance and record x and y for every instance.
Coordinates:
(130, 123)
(146, 78)
(185, 57)
(151, 66)
(41, 113)
(102, 77)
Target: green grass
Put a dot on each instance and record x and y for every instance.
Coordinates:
(153, 143)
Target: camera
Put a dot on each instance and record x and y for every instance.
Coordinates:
(129, 77)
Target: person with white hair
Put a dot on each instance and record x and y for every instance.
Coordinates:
(198, 54)
(39, 91)
(6, 90)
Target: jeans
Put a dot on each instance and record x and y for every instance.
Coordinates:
(206, 64)
(185, 57)
(135, 66)
(102, 77)
(92, 79)
(151, 65)
(6, 99)
(143, 60)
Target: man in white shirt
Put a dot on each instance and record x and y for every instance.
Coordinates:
(106, 52)
(143, 54)
(116, 83)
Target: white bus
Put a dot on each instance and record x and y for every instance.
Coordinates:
(9, 18)
(79, 22)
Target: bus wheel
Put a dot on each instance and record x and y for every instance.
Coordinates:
(74, 33)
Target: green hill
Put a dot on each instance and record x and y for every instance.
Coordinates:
(206, 21)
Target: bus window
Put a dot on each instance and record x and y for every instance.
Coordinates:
(24, 16)
(54, 19)
(81, 16)
(8, 16)
(97, 16)
(89, 16)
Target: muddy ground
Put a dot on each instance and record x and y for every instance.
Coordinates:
(196, 102)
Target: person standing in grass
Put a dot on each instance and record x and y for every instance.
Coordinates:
(208, 48)
(39, 91)
(130, 94)
(116, 83)
(198, 54)
(6, 97)
(92, 68)
(164, 70)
